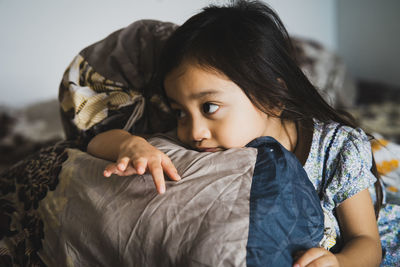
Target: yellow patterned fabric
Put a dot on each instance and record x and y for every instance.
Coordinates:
(112, 84)
(91, 95)
(387, 157)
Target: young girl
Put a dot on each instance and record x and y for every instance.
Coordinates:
(230, 76)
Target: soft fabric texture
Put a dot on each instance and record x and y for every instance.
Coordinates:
(22, 188)
(387, 158)
(25, 130)
(237, 214)
(112, 80)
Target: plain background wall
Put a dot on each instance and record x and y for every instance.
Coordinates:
(40, 38)
(369, 38)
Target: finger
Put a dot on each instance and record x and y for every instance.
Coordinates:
(122, 163)
(140, 165)
(158, 176)
(130, 170)
(309, 256)
(115, 172)
(110, 169)
(170, 169)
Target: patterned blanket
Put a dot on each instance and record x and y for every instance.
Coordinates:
(22, 188)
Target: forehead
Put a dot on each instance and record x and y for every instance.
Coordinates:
(194, 79)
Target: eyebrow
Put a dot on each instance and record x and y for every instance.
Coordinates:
(198, 95)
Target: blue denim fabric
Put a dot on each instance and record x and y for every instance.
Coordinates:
(285, 211)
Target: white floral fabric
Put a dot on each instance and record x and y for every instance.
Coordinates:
(348, 165)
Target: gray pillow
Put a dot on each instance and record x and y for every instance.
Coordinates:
(209, 218)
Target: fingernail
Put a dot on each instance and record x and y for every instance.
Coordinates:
(296, 265)
(162, 189)
(177, 175)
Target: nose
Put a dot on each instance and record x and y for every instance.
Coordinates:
(200, 130)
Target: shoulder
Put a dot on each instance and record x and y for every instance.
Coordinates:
(347, 156)
(343, 155)
(342, 134)
(337, 139)
(341, 144)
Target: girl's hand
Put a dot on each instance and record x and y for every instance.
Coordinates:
(315, 257)
(136, 156)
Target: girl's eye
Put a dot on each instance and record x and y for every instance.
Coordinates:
(209, 108)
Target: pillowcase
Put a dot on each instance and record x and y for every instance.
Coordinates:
(249, 206)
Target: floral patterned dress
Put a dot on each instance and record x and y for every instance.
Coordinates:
(347, 155)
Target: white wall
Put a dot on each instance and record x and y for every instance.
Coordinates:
(369, 38)
(314, 19)
(39, 38)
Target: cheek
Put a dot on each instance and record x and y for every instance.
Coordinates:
(239, 130)
(180, 134)
(183, 135)
(231, 133)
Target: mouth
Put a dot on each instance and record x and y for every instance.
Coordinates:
(209, 149)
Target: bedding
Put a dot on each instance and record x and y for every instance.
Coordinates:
(22, 187)
(377, 109)
(219, 214)
(24, 131)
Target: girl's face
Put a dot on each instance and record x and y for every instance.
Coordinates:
(213, 112)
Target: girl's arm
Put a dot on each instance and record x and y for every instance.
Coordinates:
(360, 232)
(358, 226)
(132, 155)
